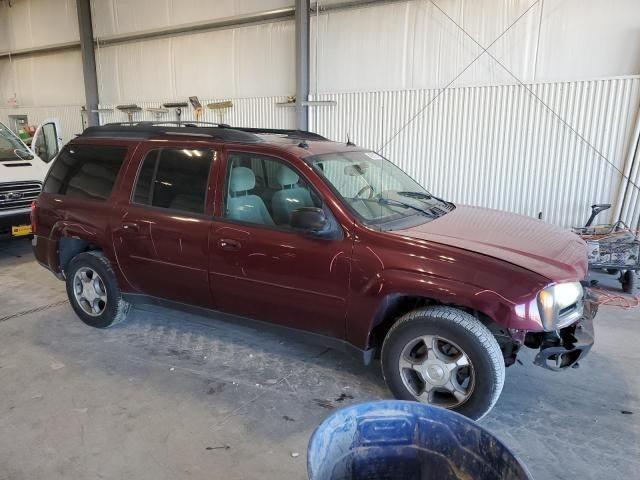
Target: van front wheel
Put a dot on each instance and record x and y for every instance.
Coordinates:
(444, 357)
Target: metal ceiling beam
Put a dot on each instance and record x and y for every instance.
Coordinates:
(280, 14)
(58, 47)
(350, 4)
(302, 63)
(189, 28)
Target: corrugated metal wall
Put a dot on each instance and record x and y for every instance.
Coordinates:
(497, 146)
(630, 191)
(246, 112)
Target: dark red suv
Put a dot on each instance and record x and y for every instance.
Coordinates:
(291, 229)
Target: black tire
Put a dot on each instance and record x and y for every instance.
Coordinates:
(461, 329)
(116, 308)
(629, 282)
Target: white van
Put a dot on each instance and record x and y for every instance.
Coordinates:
(22, 171)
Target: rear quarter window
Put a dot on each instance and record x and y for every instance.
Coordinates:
(85, 171)
(175, 179)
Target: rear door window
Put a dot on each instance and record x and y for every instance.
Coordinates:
(175, 179)
(86, 171)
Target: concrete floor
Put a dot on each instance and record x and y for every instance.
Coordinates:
(171, 395)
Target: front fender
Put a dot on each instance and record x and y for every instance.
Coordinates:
(369, 306)
(446, 291)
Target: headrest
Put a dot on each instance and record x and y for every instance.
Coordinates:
(242, 179)
(286, 176)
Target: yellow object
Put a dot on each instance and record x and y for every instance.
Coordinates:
(21, 230)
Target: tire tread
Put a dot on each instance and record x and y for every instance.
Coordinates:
(469, 323)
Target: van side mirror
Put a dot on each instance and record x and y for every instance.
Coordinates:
(309, 219)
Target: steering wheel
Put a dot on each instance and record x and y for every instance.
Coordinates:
(364, 189)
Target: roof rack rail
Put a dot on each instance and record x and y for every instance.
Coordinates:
(148, 129)
(299, 134)
(181, 123)
(153, 129)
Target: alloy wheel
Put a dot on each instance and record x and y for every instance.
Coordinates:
(89, 291)
(437, 371)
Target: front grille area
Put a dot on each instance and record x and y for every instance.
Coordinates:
(18, 195)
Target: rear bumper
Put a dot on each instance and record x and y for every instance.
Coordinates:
(565, 348)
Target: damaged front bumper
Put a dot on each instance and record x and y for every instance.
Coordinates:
(564, 348)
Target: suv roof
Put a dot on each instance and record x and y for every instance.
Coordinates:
(303, 142)
(218, 131)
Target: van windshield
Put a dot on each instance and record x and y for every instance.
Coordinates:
(375, 189)
(11, 148)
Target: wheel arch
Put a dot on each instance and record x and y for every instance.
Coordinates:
(402, 292)
(394, 306)
(69, 240)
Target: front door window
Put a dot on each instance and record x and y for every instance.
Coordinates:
(265, 191)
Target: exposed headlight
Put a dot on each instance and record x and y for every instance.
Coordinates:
(559, 305)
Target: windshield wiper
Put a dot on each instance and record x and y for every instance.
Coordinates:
(398, 203)
(426, 196)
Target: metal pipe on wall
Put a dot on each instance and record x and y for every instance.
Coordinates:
(88, 61)
(303, 8)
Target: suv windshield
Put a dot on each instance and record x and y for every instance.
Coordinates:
(375, 189)
(10, 147)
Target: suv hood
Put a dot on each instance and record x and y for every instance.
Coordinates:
(548, 250)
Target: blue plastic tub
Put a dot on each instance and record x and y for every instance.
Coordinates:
(407, 441)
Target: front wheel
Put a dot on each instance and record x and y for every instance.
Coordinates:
(444, 357)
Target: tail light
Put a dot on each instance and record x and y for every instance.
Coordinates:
(34, 206)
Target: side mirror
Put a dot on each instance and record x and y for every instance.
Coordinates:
(309, 219)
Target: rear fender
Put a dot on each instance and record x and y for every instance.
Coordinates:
(67, 239)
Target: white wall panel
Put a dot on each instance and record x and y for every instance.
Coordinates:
(589, 39)
(37, 23)
(412, 44)
(213, 72)
(113, 17)
(42, 80)
(251, 61)
(246, 112)
(264, 60)
(497, 146)
(135, 71)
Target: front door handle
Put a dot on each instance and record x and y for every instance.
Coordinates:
(130, 227)
(229, 244)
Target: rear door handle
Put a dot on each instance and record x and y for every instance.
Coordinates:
(130, 227)
(229, 244)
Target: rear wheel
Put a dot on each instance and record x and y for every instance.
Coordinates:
(444, 357)
(93, 290)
